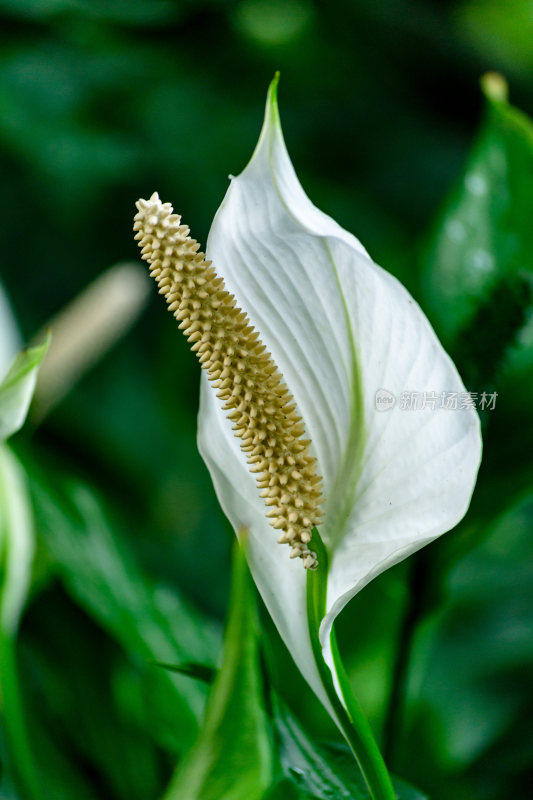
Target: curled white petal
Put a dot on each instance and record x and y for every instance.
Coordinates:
(16, 540)
(9, 335)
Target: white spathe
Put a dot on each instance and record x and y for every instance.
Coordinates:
(18, 372)
(16, 534)
(17, 543)
(340, 328)
(9, 335)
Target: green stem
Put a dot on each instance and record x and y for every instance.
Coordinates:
(349, 716)
(12, 712)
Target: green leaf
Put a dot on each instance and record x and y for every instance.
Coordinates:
(484, 238)
(232, 759)
(151, 622)
(322, 771)
(16, 389)
(118, 11)
(501, 33)
(285, 790)
(201, 672)
(470, 701)
(16, 555)
(310, 767)
(103, 710)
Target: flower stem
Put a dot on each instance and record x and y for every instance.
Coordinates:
(350, 718)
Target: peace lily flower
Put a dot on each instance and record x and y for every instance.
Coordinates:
(291, 302)
(18, 373)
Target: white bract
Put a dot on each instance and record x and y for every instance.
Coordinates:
(340, 329)
(18, 373)
(9, 336)
(17, 381)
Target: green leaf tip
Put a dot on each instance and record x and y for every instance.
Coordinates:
(30, 357)
(272, 96)
(17, 387)
(495, 87)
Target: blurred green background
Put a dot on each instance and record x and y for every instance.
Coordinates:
(105, 101)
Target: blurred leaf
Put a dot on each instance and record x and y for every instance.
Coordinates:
(63, 778)
(16, 555)
(130, 12)
(284, 790)
(484, 236)
(405, 791)
(152, 623)
(232, 758)
(17, 387)
(271, 22)
(495, 333)
(102, 715)
(7, 790)
(502, 32)
(470, 688)
(199, 671)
